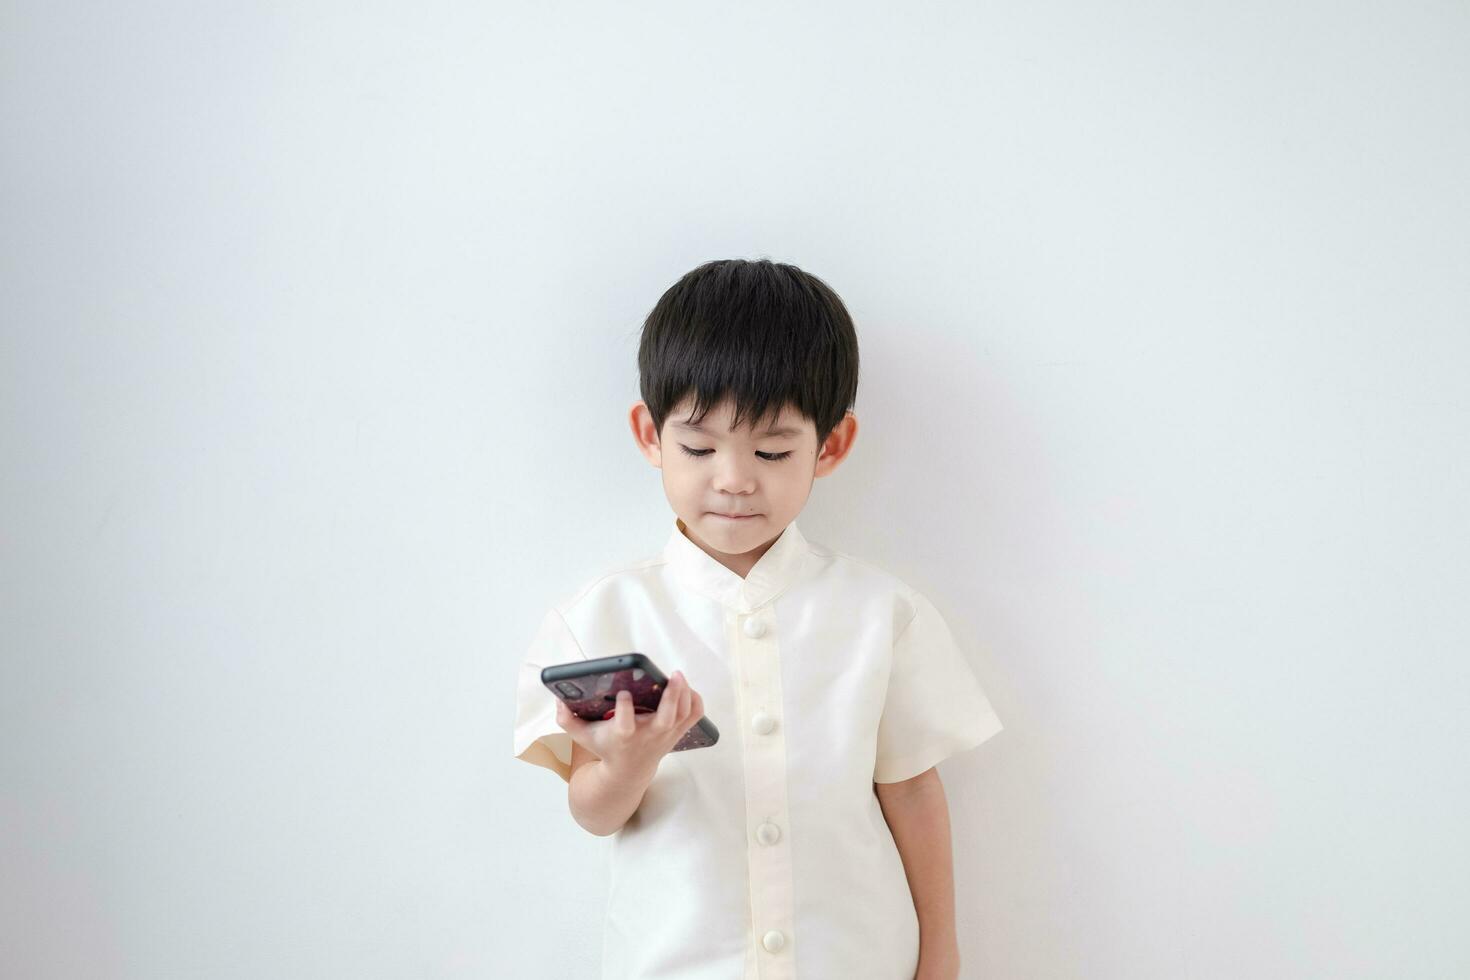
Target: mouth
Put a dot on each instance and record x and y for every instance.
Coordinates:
(733, 517)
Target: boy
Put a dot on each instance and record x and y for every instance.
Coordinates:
(812, 839)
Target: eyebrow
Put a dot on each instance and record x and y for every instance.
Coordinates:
(783, 431)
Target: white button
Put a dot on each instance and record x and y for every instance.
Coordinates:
(768, 833)
(773, 941)
(763, 723)
(754, 627)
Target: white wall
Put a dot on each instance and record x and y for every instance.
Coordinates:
(319, 332)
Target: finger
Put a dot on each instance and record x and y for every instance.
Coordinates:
(686, 699)
(623, 713)
(696, 707)
(668, 703)
(568, 720)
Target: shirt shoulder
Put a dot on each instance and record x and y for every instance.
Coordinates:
(614, 582)
(856, 577)
(827, 573)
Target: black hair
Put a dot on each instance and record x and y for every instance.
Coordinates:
(763, 333)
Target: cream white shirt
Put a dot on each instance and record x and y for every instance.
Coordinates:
(766, 856)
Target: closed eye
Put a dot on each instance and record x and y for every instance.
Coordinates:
(768, 457)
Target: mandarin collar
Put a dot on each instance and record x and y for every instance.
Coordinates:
(775, 569)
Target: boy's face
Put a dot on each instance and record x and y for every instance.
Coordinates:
(764, 474)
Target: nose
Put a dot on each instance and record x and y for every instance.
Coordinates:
(734, 475)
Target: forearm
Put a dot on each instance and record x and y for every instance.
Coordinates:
(919, 821)
(602, 800)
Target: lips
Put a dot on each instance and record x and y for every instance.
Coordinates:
(733, 517)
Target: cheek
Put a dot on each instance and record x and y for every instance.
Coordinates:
(679, 474)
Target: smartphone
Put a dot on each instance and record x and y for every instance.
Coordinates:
(590, 688)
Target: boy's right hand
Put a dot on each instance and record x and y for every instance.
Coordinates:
(632, 744)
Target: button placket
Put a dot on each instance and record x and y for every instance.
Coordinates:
(769, 860)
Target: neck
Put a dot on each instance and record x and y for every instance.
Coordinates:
(740, 564)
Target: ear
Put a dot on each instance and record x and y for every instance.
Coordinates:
(838, 445)
(640, 420)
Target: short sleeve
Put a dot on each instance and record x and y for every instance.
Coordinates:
(539, 740)
(934, 706)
